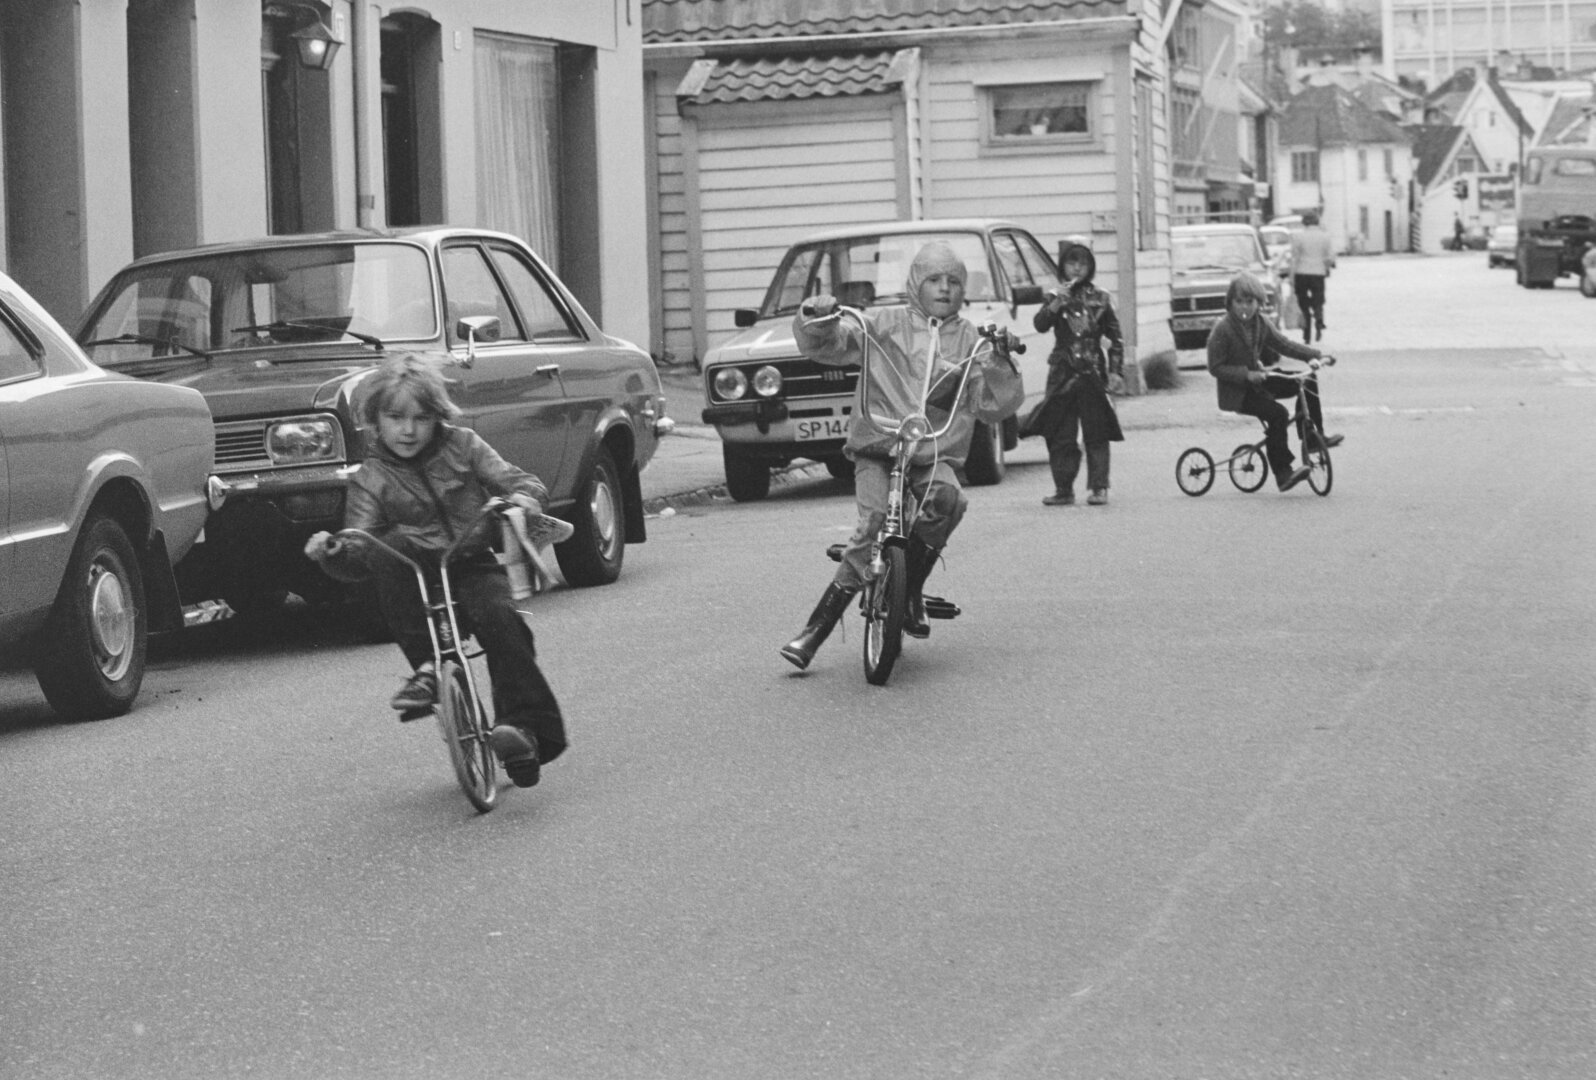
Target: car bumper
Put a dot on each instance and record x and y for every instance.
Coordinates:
(760, 414)
(303, 493)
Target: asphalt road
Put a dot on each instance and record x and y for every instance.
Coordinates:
(1237, 786)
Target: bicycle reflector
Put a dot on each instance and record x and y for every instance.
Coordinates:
(914, 428)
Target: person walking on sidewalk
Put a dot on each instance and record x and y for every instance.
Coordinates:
(1312, 259)
(1079, 380)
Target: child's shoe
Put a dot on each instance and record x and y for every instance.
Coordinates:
(517, 752)
(414, 699)
(1059, 498)
(1098, 497)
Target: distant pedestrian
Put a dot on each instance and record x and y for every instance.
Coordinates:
(1312, 259)
(1457, 233)
(1079, 380)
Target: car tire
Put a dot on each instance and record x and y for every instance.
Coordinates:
(91, 650)
(595, 551)
(747, 478)
(985, 464)
(841, 468)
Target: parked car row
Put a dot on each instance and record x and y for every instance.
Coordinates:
(204, 423)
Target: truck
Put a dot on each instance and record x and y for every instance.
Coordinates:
(1556, 214)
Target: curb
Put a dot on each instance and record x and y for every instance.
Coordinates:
(714, 493)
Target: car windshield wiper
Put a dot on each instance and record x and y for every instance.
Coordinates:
(277, 326)
(144, 339)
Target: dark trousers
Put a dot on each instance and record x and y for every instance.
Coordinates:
(1310, 299)
(521, 695)
(1068, 413)
(1261, 402)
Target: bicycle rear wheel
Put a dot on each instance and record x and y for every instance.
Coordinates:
(464, 728)
(886, 600)
(1248, 469)
(1194, 471)
(1316, 455)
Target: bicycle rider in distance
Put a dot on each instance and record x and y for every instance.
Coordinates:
(1241, 348)
(422, 484)
(927, 331)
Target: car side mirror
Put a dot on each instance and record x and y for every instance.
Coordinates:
(473, 328)
(743, 318)
(1020, 295)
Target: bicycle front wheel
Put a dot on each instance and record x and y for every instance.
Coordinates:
(1248, 469)
(1316, 455)
(1194, 471)
(465, 733)
(886, 600)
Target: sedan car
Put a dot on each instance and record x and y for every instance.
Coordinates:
(1501, 248)
(772, 405)
(104, 485)
(278, 334)
(1277, 247)
(1204, 259)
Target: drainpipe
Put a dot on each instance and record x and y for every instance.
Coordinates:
(360, 63)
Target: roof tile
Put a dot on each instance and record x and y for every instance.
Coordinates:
(667, 21)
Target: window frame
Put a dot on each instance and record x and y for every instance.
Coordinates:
(1090, 86)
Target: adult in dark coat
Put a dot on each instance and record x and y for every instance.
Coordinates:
(1079, 378)
(1242, 347)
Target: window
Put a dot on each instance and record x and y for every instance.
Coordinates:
(471, 289)
(1363, 221)
(1039, 113)
(16, 359)
(1146, 180)
(518, 139)
(546, 318)
(1304, 166)
(1390, 163)
(1363, 164)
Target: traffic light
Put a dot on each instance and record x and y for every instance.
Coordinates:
(1460, 188)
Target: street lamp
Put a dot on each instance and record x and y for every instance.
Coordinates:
(316, 44)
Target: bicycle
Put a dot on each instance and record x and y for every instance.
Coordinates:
(884, 600)
(463, 720)
(1248, 466)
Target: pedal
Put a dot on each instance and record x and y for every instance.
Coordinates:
(938, 608)
(834, 552)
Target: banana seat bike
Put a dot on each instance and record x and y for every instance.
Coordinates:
(884, 600)
(463, 720)
(1247, 464)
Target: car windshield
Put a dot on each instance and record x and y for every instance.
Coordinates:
(243, 300)
(868, 271)
(1216, 251)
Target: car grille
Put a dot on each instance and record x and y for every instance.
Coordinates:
(241, 444)
(1198, 303)
(802, 378)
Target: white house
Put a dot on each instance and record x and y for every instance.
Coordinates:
(1348, 163)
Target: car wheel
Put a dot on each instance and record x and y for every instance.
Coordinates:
(90, 660)
(593, 554)
(747, 479)
(985, 464)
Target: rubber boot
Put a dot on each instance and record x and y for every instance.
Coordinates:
(922, 560)
(801, 649)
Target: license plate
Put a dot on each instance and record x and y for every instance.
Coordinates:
(831, 427)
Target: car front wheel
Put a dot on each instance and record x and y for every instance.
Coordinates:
(593, 554)
(90, 660)
(747, 478)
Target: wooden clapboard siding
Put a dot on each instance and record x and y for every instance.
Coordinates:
(768, 173)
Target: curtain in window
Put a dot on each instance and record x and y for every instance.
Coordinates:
(517, 126)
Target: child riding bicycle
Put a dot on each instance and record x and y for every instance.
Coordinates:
(423, 484)
(928, 331)
(1241, 347)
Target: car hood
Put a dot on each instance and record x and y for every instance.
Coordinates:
(771, 339)
(1206, 280)
(272, 383)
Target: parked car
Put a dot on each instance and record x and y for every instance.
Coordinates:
(1501, 248)
(1204, 259)
(772, 406)
(104, 485)
(278, 334)
(1277, 247)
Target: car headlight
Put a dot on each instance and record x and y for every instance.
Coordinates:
(767, 381)
(304, 441)
(730, 384)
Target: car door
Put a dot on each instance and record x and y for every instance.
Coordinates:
(40, 459)
(1021, 261)
(509, 390)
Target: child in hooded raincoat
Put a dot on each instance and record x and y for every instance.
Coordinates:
(928, 331)
(1081, 317)
(423, 483)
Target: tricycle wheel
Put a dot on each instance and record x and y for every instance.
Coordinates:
(1194, 471)
(1248, 469)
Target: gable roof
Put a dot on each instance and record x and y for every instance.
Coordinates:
(1509, 106)
(1330, 116)
(670, 21)
(793, 77)
(1433, 147)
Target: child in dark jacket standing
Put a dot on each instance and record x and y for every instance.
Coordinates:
(1079, 380)
(423, 483)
